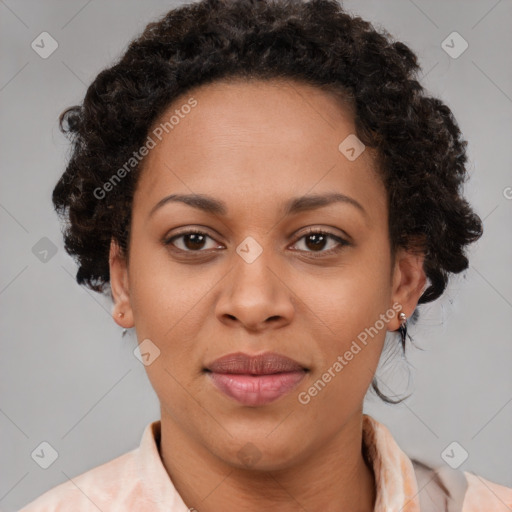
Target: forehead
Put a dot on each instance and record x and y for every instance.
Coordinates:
(263, 139)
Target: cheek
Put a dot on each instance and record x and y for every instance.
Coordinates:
(352, 296)
(347, 354)
(168, 303)
(349, 310)
(164, 296)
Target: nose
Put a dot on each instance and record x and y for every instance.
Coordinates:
(255, 295)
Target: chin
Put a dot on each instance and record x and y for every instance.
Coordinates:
(260, 454)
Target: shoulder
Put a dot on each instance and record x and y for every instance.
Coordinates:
(482, 494)
(96, 489)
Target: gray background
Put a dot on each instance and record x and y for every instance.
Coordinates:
(67, 376)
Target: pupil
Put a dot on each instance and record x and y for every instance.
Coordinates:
(319, 240)
(194, 239)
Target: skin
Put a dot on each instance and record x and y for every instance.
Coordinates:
(255, 145)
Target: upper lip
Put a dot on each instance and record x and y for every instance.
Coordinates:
(262, 364)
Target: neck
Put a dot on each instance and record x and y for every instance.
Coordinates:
(330, 478)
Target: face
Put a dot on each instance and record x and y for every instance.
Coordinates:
(261, 272)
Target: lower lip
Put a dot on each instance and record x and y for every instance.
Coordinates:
(256, 389)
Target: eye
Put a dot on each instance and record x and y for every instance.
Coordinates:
(317, 239)
(193, 241)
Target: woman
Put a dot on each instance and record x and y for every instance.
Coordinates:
(291, 144)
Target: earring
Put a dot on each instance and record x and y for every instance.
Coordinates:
(402, 329)
(124, 331)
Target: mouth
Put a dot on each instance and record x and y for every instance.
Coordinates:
(255, 380)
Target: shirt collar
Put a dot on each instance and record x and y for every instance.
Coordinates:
(395, 478)
(396, 487)
(157, 487)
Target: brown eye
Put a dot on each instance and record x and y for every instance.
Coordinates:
(315, 241)
(191, 241)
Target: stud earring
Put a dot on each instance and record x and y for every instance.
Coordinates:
(124, 331)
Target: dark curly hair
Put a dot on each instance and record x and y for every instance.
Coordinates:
(421, 155)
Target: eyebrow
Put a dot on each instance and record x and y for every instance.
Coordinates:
(295, 205)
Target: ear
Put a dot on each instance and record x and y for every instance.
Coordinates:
(409, 280)
(119, 285)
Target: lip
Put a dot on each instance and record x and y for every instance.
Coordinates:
(255, 380)
(259, 364)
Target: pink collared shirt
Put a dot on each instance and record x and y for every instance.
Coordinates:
(138, 481)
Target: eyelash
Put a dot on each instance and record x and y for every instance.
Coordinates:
(311, 231)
